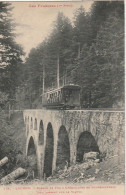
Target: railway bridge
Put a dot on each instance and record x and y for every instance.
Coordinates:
(59, 138)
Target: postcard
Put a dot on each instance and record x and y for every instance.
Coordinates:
(62, 111)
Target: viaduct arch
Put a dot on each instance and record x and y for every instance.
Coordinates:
(60, 138)
(32, 156)
(63, 148)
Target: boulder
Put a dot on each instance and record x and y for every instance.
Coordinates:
(90, 156)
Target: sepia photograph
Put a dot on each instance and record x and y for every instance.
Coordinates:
(62, 97)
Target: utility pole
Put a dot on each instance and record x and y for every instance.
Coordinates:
(58, 71)
(43, 78)
(78, 49)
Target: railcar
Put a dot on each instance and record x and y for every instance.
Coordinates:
(64, 97)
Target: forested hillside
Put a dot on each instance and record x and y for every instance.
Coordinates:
(10, 59)
(91, 53)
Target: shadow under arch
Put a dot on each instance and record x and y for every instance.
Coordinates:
(35, 124)
(41, 134)
(31, 124)
(86, 143)
(63, 149)
(32, 157)
(48, 151)
(25, 120)
(28, 123)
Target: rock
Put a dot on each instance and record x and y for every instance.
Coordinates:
(110, 171)
(97, 161)
(90, 155)
(90, 179)
(97, 171)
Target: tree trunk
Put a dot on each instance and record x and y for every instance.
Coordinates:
(14, 175)
(3, 161)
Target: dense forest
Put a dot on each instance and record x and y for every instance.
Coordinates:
(90, 50)
(10, 56)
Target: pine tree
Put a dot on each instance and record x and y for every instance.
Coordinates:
(61, 41)
(81, 28)
(10, 51)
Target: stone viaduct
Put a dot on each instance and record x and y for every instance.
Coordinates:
(60, 137)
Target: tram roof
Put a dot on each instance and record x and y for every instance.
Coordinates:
(70, 86)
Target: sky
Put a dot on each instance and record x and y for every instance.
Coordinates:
(35, 21)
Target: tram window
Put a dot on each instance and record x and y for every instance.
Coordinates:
(55, 96)
(58, 94)
(70, 92)
(47, 98)
(67, 92)
(52, 97)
